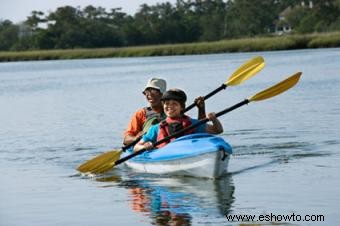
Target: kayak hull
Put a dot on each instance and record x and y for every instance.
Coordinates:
(197, 155)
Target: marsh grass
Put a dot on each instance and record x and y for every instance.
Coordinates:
(287, 42)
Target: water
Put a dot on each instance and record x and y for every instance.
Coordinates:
(57, 114)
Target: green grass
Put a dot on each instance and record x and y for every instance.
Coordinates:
(287, 42)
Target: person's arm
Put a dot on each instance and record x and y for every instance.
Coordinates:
(148, 139)
(135, 127)
(128, 139)
(201, 107)
(216, 126)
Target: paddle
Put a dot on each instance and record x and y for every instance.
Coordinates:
(243, 73)
(265, 94)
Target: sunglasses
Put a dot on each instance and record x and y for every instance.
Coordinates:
(149, 91)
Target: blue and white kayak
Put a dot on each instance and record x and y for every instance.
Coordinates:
(198, 155)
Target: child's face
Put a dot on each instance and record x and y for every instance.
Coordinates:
(172, 108)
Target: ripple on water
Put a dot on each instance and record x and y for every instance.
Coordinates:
(241, 132)
(331, 142)
(83, 149)
(258, 149)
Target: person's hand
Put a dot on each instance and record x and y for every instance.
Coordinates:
(212, 116)
(148, 145)
(200, 102)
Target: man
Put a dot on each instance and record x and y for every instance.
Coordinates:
(147, 116)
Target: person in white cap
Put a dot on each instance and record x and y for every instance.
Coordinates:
(145, 117)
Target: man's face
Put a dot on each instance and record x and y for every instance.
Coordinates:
(153, 96)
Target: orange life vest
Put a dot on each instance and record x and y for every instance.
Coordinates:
(171, 126)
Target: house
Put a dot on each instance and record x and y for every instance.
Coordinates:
(282, 26)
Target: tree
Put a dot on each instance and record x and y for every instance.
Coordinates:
(185, 21)
(323, 16)
(249, 18)
(8, 35)
(212, 19)
(34, 20)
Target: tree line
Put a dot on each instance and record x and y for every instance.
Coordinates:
(165, 23)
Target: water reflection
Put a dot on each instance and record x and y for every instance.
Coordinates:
(177, 201)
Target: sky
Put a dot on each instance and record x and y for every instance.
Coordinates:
(18, 10)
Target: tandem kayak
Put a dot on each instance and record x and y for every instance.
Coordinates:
(198, 155)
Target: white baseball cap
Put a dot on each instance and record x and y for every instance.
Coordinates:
(156, 83)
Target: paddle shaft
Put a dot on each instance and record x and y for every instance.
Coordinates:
(181, 132)
(223, 86)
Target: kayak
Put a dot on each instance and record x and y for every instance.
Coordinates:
(198, 155)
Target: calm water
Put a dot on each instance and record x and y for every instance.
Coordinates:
(57, 114)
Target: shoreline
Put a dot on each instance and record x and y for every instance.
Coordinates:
(286, 42)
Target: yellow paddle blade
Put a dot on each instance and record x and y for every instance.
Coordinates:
(277, 89)
(105, 167)
(94, 164)
(108, 164)
(246, 71)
